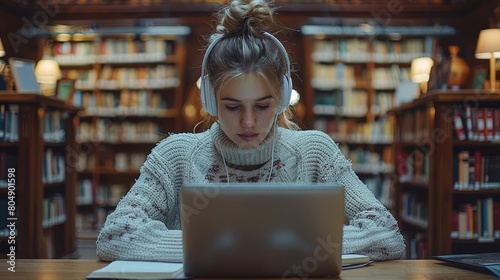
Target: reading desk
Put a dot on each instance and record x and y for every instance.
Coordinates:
(57, 269)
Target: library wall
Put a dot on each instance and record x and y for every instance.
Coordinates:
(100, 183)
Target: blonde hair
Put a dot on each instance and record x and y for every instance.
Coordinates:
(243, 49)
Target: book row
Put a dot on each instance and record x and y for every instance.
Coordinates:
(380, 186)
(117, 161)
(54, 124)
(351, 131)
(54, 211)
(124, 102)
(133, 104)
(110, 50)
(54, 166)
(475, 170)
(54, 128)
(416, 245)
(478, 220)
(106, 195)
(119, 132)
(159, 77)
(413, 127)
(348, 102)
(339, 75)
(412, 166)
(476, 124)
(414, 210)
(356, 50)
(9, 122)
(368, 161)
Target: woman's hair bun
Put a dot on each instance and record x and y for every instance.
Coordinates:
(245, 16)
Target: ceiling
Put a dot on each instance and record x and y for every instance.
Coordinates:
(394, 8)
(337, 12)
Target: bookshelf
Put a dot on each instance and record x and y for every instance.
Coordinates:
(37, 184)
(447, 187)
(351, 77)
(131, 87)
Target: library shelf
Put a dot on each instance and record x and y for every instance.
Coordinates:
(461, 200)
(28, 117)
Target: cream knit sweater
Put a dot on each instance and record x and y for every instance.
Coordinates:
(146, 223)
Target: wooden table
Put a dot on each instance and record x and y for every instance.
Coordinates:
(57, 269)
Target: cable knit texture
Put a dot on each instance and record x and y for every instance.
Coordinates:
(146, 223)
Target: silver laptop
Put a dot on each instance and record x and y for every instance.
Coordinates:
(261, 230)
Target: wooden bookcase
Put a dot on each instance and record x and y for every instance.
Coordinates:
(431, 177)
(131, 87)
(37, 150)
(351, 76)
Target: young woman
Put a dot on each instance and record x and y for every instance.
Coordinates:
(246, 86)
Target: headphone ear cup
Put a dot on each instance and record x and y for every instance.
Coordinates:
(208, 96)
(286, 94)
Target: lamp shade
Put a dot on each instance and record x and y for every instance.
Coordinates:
(47, 71)
(421, 69)
(488, 44)
(2, 50)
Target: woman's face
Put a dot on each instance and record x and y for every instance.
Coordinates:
(246, 110)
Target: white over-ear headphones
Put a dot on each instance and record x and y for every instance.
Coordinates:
(208, 98)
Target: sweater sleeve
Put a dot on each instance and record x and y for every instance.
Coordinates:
(370, 228)
(137, 229)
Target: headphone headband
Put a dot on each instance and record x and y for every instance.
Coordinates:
(208, 98)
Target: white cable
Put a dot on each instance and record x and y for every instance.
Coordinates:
(272, 150)
(225, 166)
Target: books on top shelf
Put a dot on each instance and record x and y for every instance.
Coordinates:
(476, 124)
(110, 50)
(9, 122)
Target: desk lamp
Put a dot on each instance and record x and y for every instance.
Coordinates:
(47, 73)
(420, 71)
(488, 47)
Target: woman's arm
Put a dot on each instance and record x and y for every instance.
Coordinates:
(137, 229)
(371, 229)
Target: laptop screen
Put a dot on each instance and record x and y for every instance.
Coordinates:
(262, 230)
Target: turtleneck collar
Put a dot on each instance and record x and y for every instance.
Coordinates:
(236, 156)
